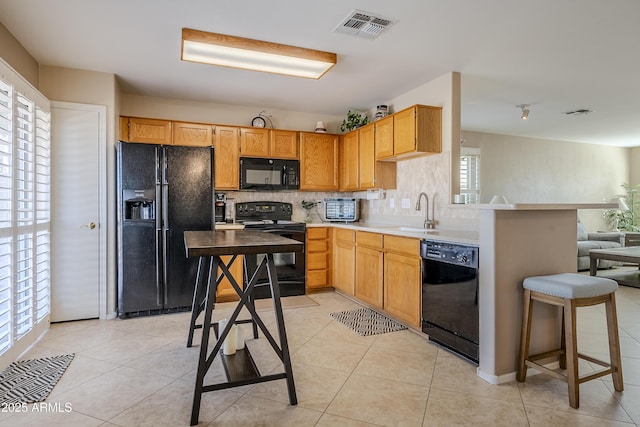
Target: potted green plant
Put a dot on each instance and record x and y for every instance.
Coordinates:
(354, 120)
(627, 216)
(307, 206)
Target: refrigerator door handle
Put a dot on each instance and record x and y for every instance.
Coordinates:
(159, 267)
(165, 273)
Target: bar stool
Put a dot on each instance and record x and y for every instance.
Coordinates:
(569, 291)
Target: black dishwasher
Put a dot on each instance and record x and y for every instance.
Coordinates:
(450, 296)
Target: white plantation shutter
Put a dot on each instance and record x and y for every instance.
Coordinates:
(470, 174)
(25, 188)
(6, 190)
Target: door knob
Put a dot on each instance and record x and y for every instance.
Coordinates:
(90, 226)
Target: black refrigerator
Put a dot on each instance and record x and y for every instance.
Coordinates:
(162, 191)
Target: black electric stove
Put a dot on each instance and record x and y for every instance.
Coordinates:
(275, 217)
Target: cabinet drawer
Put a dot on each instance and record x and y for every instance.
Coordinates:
(317, 261)
(345, 235)
(371, 240)
(402, 245)
(317, 233)
(317, 278)
(317, 246)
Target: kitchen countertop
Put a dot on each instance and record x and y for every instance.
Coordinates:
(457, 236)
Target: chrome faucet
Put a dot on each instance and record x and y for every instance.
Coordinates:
(428, 223)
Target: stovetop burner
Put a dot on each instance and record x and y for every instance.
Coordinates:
(266, 215)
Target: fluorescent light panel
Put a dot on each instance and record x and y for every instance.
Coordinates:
(256, 55)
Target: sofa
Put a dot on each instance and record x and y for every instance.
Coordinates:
(588, 241)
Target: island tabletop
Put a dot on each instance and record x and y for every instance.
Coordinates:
(237, 242)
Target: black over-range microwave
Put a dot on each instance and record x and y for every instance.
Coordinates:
(269, 174)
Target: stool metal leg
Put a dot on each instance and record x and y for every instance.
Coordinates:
(286, 359)
(525, 335)
(198, 303)
(614, 343)
(571, 352)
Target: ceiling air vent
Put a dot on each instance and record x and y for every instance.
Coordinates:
(580, 112)
(363, 24)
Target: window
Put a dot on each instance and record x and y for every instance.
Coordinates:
(24, 208)
(470, 174)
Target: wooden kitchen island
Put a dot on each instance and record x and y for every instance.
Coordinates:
(209, 247)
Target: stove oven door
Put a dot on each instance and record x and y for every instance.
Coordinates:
(290, 268)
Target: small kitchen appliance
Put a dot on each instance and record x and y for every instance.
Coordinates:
(220, 207)
(341, 210)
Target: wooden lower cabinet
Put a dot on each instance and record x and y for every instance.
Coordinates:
(344, 261)
(369, 268)
(402, 290)
(225, 291)
(402, 279)
(318, 259)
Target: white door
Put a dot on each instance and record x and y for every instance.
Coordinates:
(78, 134)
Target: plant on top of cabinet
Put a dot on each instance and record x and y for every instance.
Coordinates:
(354, 120)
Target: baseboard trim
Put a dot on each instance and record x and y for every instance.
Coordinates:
(511, 376)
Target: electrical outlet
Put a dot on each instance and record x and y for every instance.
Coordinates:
(392, 203)
(406, 203)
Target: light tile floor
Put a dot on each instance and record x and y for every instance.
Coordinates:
(138, 372)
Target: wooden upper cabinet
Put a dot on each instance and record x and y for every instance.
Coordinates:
(417, 131)
(348, 162)
(318, 161)
(150, 131)
(384, 137)
(367, 157)
(284, 144)
(192, 134)
(254, 142)
(227, 158)
(268, 143)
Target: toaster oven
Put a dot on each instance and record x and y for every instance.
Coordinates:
(341, 210)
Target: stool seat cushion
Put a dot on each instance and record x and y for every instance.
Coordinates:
(570, 285)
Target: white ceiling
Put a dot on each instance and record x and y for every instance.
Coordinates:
(556, 55)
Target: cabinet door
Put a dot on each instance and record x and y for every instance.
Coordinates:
(344, 262)
(366, 157)
(318, 161)
(384, 137)
(192, 134)
(150, 131)
(254, 142)
(369, 275)
(225, 290)
(284, 144)
(404, 131)
(317, 253)
(402, 287)
(227, 158)
(348, 161)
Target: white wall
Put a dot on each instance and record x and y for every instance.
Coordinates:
(634, 179)
(530, 170)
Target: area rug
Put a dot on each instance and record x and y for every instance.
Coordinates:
(29, 381)
(296, 301)
(365, 321)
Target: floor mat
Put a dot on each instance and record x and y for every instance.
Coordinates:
(29, 381)
(365, 321)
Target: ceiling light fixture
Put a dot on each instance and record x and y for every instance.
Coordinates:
(256, 55)
(525, 111)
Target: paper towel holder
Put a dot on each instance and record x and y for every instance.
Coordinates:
(375, 194)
